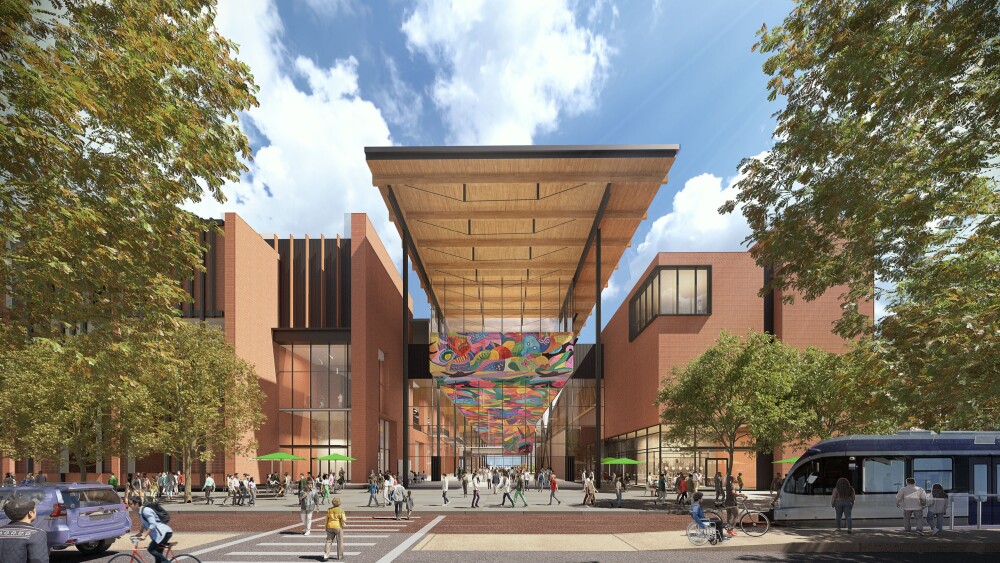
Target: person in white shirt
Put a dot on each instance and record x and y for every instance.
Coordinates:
(398, 498)
(444, 488)
(913, 499)
(475, 491)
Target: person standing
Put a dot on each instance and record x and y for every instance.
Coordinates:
(252, 488)
(618, 492)
(843, 501)
(113, 481)
(475, 491)
(739, 481)
(718, 488)
(398, 498)
(730, 505)
(335, 521)
(936, 508)
(465, 483)
(307, 505)
(372, 491)
(209, 488)
(444, 488)
(912, 498)
(41, 478)
(496, 481)
(776, 482)
(20, 540)
(553, 488)
(288, 484)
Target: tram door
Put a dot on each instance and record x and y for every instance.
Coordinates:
(983, 480)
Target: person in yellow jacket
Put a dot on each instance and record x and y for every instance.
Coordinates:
(335, 520)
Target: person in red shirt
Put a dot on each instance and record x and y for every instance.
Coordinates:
(553, 487)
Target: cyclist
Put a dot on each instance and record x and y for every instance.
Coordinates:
(158, 532)
(698, 514)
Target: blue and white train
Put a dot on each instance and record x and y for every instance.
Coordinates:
(963, 462)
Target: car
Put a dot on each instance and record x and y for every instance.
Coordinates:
(88, 516)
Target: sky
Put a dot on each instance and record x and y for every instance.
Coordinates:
(337, 76)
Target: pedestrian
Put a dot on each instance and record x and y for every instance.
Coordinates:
(618, 492)
(553, 489)
(465, 483)
(41, 478)
(661, 489)
(372, 491)
(409, 504)
(335, 521)
(505, 484)
(691, 486)
(209, 488)
(398, 498)
(682, 491)
(444, 488)
(912, 498)
(739, 480)
(475, 491)
(730, 505)
(307, 505)
(718, 488)
(698, 515)
(843, 501)
(936, 508)
(113, 481)
(519, 487)
(252, 488)
(20, 540)
(776, 482)
(496, 481)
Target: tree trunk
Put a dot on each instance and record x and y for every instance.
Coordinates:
(186, 463)
(82, 464)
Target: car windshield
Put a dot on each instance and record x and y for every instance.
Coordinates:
(38, 496)
(89, 498)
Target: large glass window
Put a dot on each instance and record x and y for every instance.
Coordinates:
(817, 477)
(883, 474)
(930, 470)
(680, 290)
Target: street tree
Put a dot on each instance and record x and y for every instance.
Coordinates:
(739, 392)
(112, 115)
(885, 148)
(210, 400)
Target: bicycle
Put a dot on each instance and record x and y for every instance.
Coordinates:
(699, 535)
(137, 557)
(752, 522)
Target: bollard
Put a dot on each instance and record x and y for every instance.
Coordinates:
(979, 513)
(951, 500)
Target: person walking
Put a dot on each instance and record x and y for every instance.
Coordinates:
(307, 505)
(505, 485)
(618, 492)
(912, 498)
(842, 501)
(208, 489)
(519, 487)
(335, 521)
(444, 488)
(730, 505)
(496, 481)
(409, 504)
(936, 508)
(717, 481)
(113, 481)
(776, 482)
(661, 489)
(465, 483)
(398, 498)
(475, 491)
(553, 489)
(739, 480)
(252, 488)
(372, 491)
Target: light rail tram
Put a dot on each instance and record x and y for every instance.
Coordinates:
(877, 466)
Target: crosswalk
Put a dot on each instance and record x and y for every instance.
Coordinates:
(365, 538)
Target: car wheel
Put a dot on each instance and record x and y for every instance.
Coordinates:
(92, 547)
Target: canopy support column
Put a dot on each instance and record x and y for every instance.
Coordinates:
(598, 359)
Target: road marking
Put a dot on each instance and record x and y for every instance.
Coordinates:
(288, 553)
(286, 544)
(243, 540)
(348, 536)
(401, 548)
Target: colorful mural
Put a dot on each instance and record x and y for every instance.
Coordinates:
(502, 382)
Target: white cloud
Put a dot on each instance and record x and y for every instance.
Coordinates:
(331, 8)
(309, 169)
(507, 70)
(400, 104)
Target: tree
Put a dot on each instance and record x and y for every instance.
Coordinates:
(210, 399)
(112, 114)
(885, 149)
(738, 392)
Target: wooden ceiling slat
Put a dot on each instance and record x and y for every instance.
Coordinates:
(458, 241)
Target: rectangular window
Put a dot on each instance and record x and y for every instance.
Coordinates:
(674, 290)
(930, 470)
(883, 474)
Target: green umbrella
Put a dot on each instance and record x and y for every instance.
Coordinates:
(335, 457)
(625, 461)
(789, 460)
(607, 460)
(279, 457)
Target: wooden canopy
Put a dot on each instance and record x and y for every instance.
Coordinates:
(507, 234)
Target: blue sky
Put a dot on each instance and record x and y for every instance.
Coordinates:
(337, 76)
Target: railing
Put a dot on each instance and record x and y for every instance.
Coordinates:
(980, 499)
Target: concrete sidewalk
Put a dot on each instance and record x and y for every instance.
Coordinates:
(776, 540)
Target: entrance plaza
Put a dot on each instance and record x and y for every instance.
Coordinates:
(512, 246)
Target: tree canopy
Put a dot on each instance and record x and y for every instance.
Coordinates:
(886, 148)
(112, 114)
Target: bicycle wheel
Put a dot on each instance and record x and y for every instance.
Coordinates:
(696, 534)
(754, 523)
(185, 558)
(125, 558)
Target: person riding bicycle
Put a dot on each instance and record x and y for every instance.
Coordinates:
(698, 514)
(158, 532)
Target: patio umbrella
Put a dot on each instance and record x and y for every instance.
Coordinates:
(335, 457)
(607, 460)
(279, 457)
(789, 460)
(625, 461)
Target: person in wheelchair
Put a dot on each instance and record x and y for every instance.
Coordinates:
(698, 514)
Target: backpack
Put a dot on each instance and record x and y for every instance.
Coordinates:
(161, 514)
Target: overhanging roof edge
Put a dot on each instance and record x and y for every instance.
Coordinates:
(520, 151)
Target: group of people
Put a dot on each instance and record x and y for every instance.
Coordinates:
(10, 479)
(911, 498)
(686, 485)
(166, 484)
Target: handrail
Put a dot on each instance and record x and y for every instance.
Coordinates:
(980, 499)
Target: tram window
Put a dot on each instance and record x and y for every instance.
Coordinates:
(883, 474)
(817, 477)
(930, 470)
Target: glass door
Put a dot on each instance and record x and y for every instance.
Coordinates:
(983, 479)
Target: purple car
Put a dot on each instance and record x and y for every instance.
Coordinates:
(88, 516)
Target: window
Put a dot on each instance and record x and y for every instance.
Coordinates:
(818, 477)
(883, 474)
(674, 290)
(930, 470)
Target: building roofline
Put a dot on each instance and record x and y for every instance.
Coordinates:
(521, 151)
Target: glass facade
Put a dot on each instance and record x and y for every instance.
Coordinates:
(314, 405)
(565, 437)
(671, 290)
